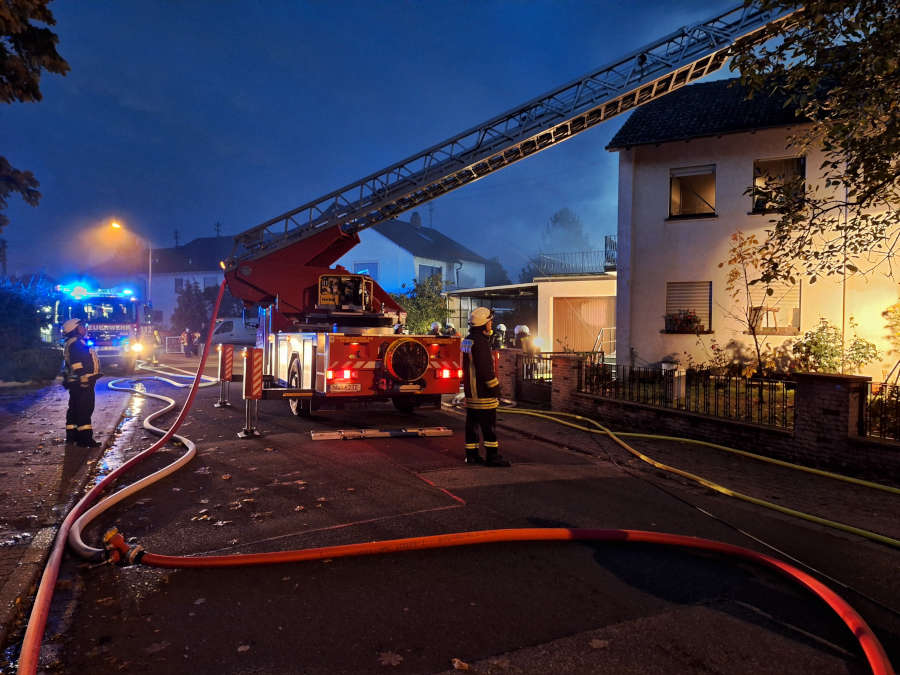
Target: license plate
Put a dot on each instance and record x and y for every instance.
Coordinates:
(350, 386)
(107, 349)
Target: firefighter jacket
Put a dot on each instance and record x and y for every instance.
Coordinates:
(480, 382)
(82, 366)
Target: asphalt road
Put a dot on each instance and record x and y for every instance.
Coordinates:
(500, 608)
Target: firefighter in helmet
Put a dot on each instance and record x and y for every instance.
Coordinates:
(481, 388)
(498, 339)
(435, 329)
(81, 372)
(450, 330)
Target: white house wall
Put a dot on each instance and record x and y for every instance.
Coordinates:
(395, 265)
(471, 274)
(163, 295)
(654, 250)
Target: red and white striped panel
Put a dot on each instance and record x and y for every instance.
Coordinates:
(352, 365)
(444, 363)
(253, 373)
(226, 362)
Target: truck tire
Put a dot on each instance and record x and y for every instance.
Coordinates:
(300, 407)
(405, 404)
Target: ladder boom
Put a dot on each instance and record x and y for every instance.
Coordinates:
(643, 75)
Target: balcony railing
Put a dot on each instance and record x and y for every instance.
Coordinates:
(594, 261)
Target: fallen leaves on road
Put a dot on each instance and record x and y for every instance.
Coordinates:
(203, 471)
(299, 508)
(221, 523)
(459, 664)
(199, 601)
(226, 476)
(599, 644)
(268, 449)
(261, 514)
(389, 659)
(243, 648)
(157, 647)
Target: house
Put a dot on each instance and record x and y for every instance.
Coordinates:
(195, 262)
(395, 253)
(685, 163)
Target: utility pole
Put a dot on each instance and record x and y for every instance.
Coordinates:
(218, 229)
(3, 256)
(176, 238)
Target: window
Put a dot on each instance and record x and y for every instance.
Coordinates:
(778, 313)
(769, 174)
(224, 327)
(428, 271)
(179, 284)
(692, 192)
(210, 282)
(688, 307)
(370, 268)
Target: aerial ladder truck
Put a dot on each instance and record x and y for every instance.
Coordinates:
(326, 333)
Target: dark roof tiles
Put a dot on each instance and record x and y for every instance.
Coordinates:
(703, 109)
(425, 242)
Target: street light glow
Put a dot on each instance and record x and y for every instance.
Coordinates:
(115, 225)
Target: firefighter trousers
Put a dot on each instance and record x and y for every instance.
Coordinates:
(78, 414)
(486, 420)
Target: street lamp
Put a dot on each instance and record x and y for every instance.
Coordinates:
(118, 226)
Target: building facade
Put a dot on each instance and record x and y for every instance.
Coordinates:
(686, 162)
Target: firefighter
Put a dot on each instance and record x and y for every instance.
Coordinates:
(187, 342)
(481, 388)
(157, 347)
(435, 329)
(498, 339)
(81, 372)
(522, 339)
(450, 330)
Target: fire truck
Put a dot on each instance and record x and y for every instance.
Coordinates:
(326, 333)
(112, 318)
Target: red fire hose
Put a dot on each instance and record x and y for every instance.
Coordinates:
(871, 647)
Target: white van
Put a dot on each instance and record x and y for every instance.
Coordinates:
(234, 331)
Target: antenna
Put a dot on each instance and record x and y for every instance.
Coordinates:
(176, 238)
(218, 229)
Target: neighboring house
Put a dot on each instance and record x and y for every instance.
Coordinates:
(685, 163)
(396, 252)
(195, 262)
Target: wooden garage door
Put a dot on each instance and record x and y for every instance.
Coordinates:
(576, 322)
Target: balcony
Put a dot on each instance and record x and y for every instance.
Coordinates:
(596, 261)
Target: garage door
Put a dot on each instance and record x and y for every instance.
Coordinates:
(577, 321)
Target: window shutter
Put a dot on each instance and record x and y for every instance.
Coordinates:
(690, 295)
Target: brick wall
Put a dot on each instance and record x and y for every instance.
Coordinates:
(506, 371)
(825, 435)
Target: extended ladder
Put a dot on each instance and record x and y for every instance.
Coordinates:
(644, 75)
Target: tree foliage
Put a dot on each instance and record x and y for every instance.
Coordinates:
(423, 303)
(822, 349)
(838, 64)
(26, 50)
(191, 310)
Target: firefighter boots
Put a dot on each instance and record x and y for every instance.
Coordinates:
(472, 457)
(494, 458)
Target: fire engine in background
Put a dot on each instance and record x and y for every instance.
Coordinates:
(112, 318)
(327, 333)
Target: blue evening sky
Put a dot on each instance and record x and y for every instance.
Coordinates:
(177, 115)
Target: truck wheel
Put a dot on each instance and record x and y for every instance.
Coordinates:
(405, 404)
(300, 407)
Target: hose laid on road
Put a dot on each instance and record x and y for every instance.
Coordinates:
(614, 436)
(37, 621)
(872, 648)
(75, 540)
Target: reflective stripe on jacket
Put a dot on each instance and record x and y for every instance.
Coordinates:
(480, 382)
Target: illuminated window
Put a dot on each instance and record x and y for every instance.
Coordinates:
(692, 192)
(771, 174)
(688, 307)
(777, 313)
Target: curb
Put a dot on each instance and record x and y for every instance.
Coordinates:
(16, 595)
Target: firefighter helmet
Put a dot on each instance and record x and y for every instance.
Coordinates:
(70, 326)
(435, 325)
(480, 316)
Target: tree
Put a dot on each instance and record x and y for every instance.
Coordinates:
(25, 51)
(837, 63)
(495, 274)
(192, 309)
(423, 303)
(563, 232)
(230, 305)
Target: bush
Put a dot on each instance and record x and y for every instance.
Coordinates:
(41, 364)
(819, 350)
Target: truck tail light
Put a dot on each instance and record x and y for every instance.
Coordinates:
(349, 374)
(329, 374)
(459, 373)
(445, 373)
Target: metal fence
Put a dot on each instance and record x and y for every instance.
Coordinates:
(881, 418)
(766, 402)
(539, 367)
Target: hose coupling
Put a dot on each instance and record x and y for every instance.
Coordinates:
(116, 545)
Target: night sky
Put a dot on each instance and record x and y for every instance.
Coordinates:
(178, 115)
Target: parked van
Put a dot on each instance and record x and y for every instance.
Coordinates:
(234, 331)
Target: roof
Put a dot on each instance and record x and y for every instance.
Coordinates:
(425, 242)
(505, 291)
(200, 255)
(702, 109)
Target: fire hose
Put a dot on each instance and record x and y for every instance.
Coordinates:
(118, 549)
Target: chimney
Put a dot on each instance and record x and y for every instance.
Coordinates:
(415, 219)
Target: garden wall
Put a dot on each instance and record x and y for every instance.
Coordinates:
(826, 433)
